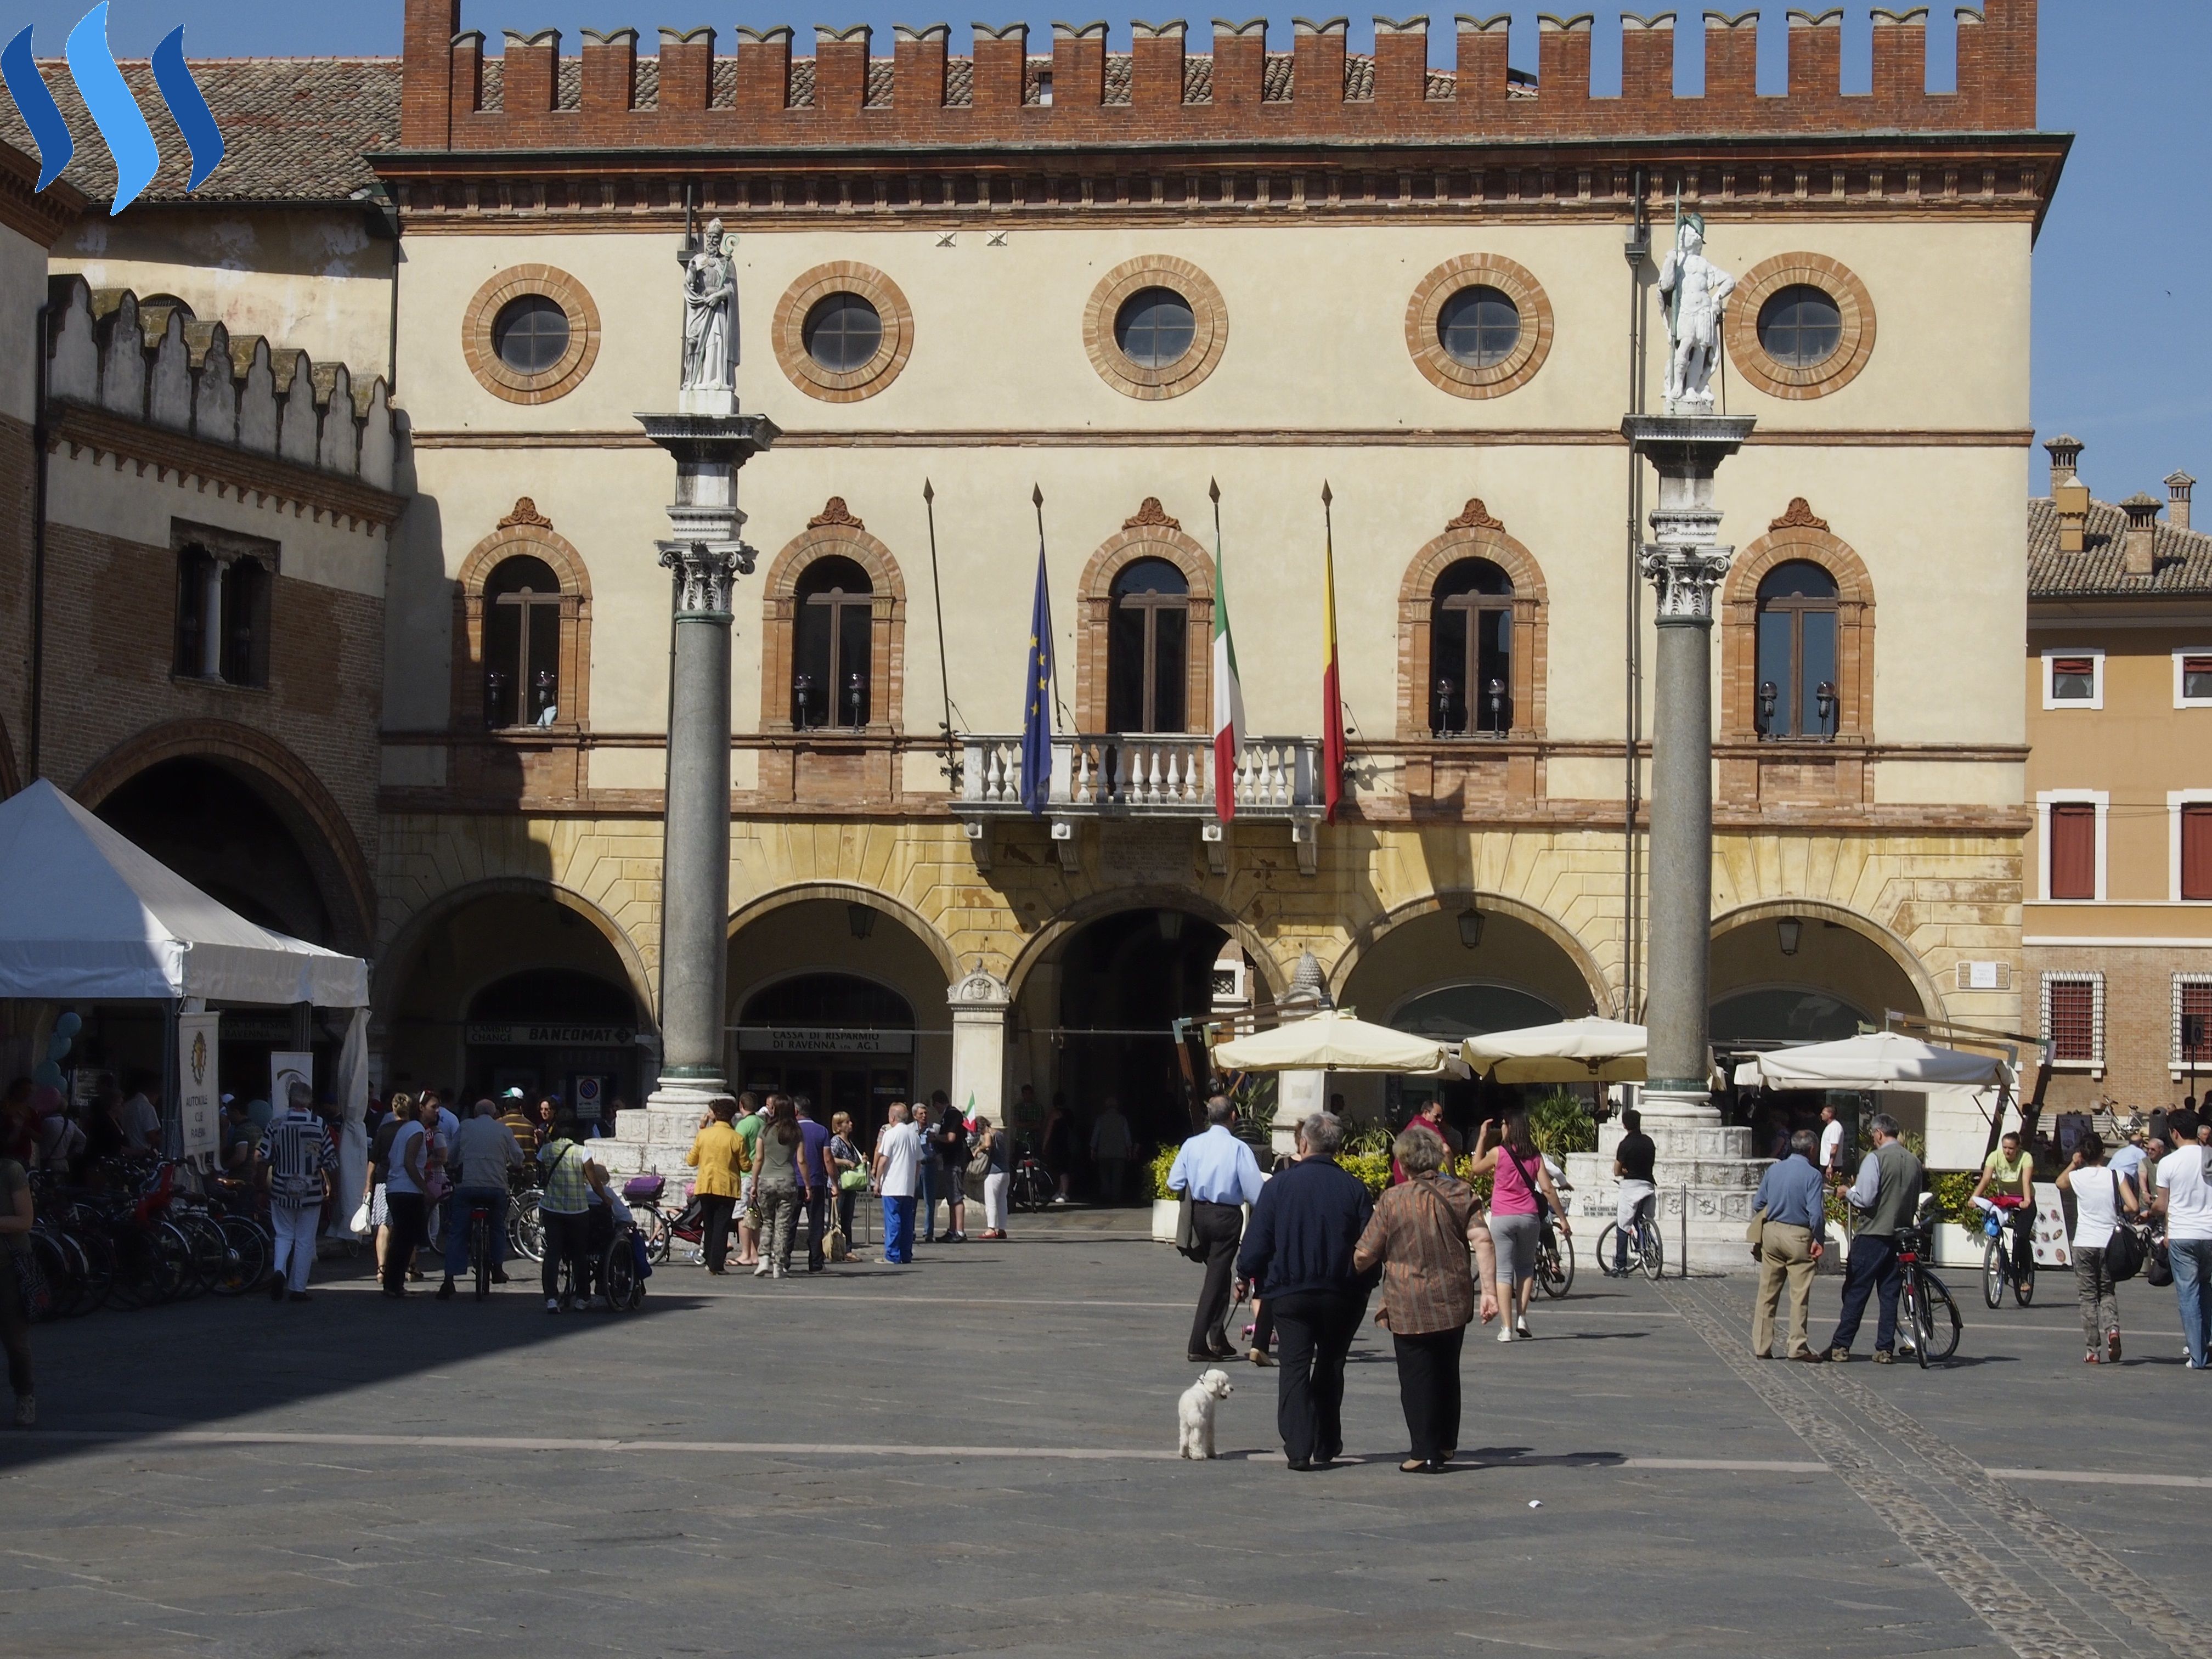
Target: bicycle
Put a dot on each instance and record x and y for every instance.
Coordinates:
(1031, 1187)
(1555, 1260)
(2000, 1245)
(481, 1250)
(1928, 1312)
(1645, 1252)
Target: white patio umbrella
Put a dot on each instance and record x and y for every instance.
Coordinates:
(1334, 1041)
(1879, 1060)
(1589, 1050)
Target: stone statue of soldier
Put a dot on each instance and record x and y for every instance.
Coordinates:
(1697, 291)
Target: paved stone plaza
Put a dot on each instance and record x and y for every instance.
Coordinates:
(974, 1454)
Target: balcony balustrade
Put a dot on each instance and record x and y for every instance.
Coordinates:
(1143, 775)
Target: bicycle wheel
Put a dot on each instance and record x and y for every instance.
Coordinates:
(170, 1269)
(526, 1233)
(247, 1250)
(1654, 1251)
(480, 1245)
(210, 1250)
(1993, 1273)
(1940, 1322)
(619, 1280)
(96, 1250)
(659, 1237)
(1609, 1244)
(1556, 1274)
(2023, 1287)
(52, 1286)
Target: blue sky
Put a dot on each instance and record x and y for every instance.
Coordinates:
(2122, 341)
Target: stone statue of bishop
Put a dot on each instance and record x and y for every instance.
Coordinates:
(1697, 291)
(710, 315)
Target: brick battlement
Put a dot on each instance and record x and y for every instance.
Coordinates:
(456, 98)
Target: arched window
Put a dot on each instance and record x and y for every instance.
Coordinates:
(1147, 648)
(1471, 651)
(1797, 662)
(522, 644)
(832, 647)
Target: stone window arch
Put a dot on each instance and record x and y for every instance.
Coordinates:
(1149, 533)
(834, 599)
(1799, 535)
(500, 611)
(1442, 571)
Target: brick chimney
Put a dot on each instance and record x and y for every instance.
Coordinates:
(2068, 492)
(2178, 486)
(2139, 549)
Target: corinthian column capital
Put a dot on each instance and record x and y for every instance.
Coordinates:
(706, 573)
(1685, 578)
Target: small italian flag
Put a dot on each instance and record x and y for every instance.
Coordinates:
(1228, 694)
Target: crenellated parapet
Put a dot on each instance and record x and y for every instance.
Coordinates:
(154, 365)
(700, 94)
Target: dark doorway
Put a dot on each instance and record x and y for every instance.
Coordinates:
(844, 1043)
(1124, 982)
(555, 1032)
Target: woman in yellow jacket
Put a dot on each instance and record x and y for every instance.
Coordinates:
(718, 1154)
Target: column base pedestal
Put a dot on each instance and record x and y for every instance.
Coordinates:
(1706, 1174)
(1687, 1108)
(655, 1138)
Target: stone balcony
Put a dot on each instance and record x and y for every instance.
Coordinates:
(1143, 776)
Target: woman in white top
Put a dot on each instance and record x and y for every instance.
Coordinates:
(2098, 1197)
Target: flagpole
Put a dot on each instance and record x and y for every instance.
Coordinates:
(1332, 731)
(1037, 499)
(944, 673)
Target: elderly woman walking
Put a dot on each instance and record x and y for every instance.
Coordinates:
(1419, 1235)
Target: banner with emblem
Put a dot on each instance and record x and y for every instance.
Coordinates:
(199, 1086)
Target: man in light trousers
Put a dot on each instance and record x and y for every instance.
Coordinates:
(1791, 1240)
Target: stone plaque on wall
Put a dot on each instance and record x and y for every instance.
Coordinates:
(1146, 852)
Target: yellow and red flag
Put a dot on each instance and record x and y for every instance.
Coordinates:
(1332, 697)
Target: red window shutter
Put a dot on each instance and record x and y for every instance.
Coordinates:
(2073, 850)
(2197, 852)
(2073, 1028)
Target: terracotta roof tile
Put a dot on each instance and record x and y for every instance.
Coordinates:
(295, 129)
(2184, 558)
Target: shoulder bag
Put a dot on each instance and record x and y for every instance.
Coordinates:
(1186, 1240)
(1755, 1234)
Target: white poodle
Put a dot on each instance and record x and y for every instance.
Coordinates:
(1194, 1413)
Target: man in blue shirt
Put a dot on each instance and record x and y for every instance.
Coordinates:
(1792, 1198)
(814, 1186)
(1219, 1175)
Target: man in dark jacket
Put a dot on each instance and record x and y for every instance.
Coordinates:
(1887, 1195)
(1298, 1251)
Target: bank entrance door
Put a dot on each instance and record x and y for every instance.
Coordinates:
(844, 1043)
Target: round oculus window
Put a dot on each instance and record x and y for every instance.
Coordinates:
(1479, 327)
(1801, 326)
(1154, 327)
(842, 332)
(531, 334)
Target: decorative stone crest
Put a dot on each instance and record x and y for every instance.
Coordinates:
(1697, 292)
(1476, 516)
(707, 572)
(525, 513)
(1150, 515)
(979, 988)
(1798, 515)
(835, 512)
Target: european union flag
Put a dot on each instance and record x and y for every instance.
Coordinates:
(1036, 698)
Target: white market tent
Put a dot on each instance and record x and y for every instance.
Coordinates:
(1878, 1059)
(87, 916)
(1589, 1050)
(1334, 1041)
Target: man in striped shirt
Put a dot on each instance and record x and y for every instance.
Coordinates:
(296, 1154)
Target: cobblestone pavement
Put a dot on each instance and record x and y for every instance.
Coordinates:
(973, 1455)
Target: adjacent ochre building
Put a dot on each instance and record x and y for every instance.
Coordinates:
(1117, 279)
(2118, 929)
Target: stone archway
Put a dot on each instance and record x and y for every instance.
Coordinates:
(1837, 951)
(279, 782)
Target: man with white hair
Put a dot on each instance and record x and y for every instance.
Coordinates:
(1219, 1175)
(1298, 1251)
(483, 1151)
(298, 1155)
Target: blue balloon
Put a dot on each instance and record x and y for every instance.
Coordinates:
(47, 1074)
(56, 1046)
(68, 1025)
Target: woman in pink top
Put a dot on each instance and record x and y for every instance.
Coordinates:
(1519, 1185)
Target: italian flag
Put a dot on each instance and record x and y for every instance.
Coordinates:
(1228, 695)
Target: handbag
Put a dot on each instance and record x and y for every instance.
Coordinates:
(852, 1180)
(980, 1165)
(2158, 1270)
(358, 1223)
(837, 1248)
(2124, 1254)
